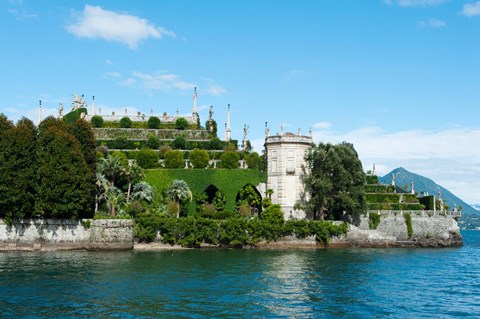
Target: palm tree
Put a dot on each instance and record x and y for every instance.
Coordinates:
(110, 167)
(143, 191)
(115, 198)
(102, 186)
(178, 191)
(133, 173)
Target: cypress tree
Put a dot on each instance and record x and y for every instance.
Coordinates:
(65, 188)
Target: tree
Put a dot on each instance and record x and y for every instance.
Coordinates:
(110, 167)
(215, 144)
(115, 199)
(18, 170)
(199, 158)
(174, 159)
(83, 132)
(65, 188)
(125, 122)
(153, 142)
(143, 191)
(334, 182)
(181, 123)
(179, 143)
(147, 158)
(133, 173)
(178, 191)
(229, 160)
(153, 122)
(97, 121)
(254, 161)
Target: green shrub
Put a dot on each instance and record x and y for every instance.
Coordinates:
(163, 150)
(97, 121)
(125, 122)
(174, 159)
(153, 122)
(153, 142)
(74, 115)
(147, 158)
(181, 124)
(199, 158)
(371, 179)
(229, 160)
(373, 220)
(408, 221)
(179, 143)
(216, 144)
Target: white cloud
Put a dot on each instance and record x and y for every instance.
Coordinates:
(446, 156)
(94, 22)
(431, 23)
(162, 81)
(322, 125)
(107, 61)
(415, 3)
(215, 90)
(471, 9)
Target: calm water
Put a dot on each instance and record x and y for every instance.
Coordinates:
(365, 283)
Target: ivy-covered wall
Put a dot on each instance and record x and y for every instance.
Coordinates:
(229, 181)
(143, 134)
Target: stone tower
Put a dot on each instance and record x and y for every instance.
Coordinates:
(285, 157)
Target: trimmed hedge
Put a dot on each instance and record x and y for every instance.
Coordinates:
(228, 181)
(396, 206)
(382, 198)
(379, 189)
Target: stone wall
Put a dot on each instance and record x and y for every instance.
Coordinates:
(428, 231)
(54, 234)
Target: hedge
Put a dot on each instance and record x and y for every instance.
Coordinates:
(227, 181)
(235, 231)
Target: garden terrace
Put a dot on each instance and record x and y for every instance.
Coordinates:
(139, 134)
(228, 181)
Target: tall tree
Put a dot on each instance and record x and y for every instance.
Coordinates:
(18, 169)
(65, 188)
(334, 182)
(83, 132)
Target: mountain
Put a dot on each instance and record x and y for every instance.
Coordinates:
(403, 179)
(476, 206)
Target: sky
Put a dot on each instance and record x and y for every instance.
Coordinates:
(400, 79)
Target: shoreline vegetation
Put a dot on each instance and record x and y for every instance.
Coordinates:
(56, 172)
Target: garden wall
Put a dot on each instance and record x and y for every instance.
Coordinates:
(54, 234)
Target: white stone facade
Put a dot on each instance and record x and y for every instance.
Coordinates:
(285, 156)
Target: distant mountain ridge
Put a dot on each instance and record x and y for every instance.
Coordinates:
(403, 178)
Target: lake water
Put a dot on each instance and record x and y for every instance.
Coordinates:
(348, 283)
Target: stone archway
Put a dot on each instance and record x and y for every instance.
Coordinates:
(248, 197)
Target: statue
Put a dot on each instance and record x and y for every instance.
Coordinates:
(393, 179)
(60, 110)
(78, 102)
(281, 128)
(245, 131)
(210, 112)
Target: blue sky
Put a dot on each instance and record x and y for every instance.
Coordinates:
(398, 78)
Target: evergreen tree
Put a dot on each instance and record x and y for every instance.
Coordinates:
(18, 169)
(65, 188)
